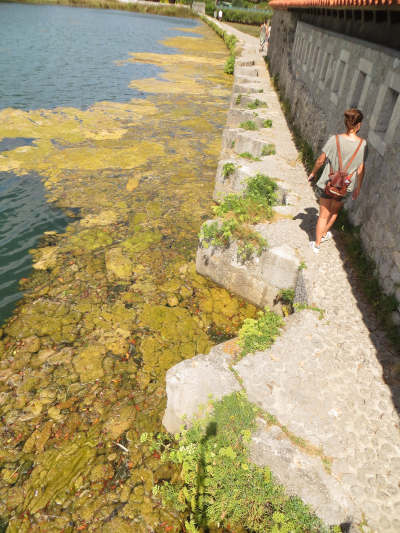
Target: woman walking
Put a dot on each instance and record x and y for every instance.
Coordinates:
(342, 176)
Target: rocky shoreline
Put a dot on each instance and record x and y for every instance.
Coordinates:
(114, 301)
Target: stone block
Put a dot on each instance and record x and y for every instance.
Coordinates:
(302, 474)
(279, 266)
(191, 383)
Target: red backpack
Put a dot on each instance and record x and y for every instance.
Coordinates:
(338, 182)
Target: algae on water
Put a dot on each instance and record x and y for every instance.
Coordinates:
(115, 301)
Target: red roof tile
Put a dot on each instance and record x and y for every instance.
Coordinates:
(284, 4)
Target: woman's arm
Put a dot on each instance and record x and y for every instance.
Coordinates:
(318, 164)
(360, 177)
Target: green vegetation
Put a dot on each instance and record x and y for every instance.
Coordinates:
(172, 10)
(237, 211)
(260, 333)
(217, 486)
(230, 41)
(238, 99)
(242, 16)
(300, 307)
(250, 242)
(228, 169)
(268, 149)
(257, 103)
(267, 123)
(286, 298)
(248, 155)
(254, 205)
(248, 125)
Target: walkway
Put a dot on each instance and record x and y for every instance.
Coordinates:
(331, 384)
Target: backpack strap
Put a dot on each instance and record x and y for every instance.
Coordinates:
(353, 156)
(339, 152)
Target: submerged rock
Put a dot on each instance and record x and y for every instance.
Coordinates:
(88, 363)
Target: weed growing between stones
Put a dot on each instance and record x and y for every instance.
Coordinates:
(286, 298)
(259, 333)
(248, 155)
(228, 169)
(238, 99)
(257, 103)
(267, 123)
(217, 486)
(255, 204)
(250, 242)
(248, 125)
(301, 306)
(237, 211)
(268, 149)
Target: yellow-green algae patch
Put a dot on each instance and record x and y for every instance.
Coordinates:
(115, 301)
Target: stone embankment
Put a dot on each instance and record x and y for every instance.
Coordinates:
(329, 385)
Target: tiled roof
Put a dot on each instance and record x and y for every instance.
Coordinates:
(334, 4)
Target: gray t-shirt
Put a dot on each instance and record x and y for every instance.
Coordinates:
(347, 148)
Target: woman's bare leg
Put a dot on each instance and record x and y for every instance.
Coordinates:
(334, 208)
(324, 216)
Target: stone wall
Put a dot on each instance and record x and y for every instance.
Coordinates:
(322, 73)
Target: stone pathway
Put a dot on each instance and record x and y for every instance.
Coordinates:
(331, 384)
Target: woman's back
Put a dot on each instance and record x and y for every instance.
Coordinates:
(348, 145)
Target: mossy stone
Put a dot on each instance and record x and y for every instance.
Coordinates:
(117, 264)
(88, 363)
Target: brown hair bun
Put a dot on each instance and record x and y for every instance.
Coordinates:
(352, 117)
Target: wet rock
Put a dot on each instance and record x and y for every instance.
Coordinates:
(88, 363)
(141, 241)
(35, 407)
(172, 301)
(47, 259)
(55, 475)
(132, 184)
(104, 218)
(90, 239)
(117, 264)
(31, 344)
(117, 525)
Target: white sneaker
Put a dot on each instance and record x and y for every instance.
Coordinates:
(327, 237)
(314, 248)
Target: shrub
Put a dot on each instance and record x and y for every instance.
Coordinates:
(248, 125)
(254, 205)
(230, 65)
(245, 16)
(267, 123)
(228, 169)
(217, 486)
(248, 155)
(260, 333)
(257, 103)
(268, 149)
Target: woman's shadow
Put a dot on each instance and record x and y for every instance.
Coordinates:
(308, 221)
